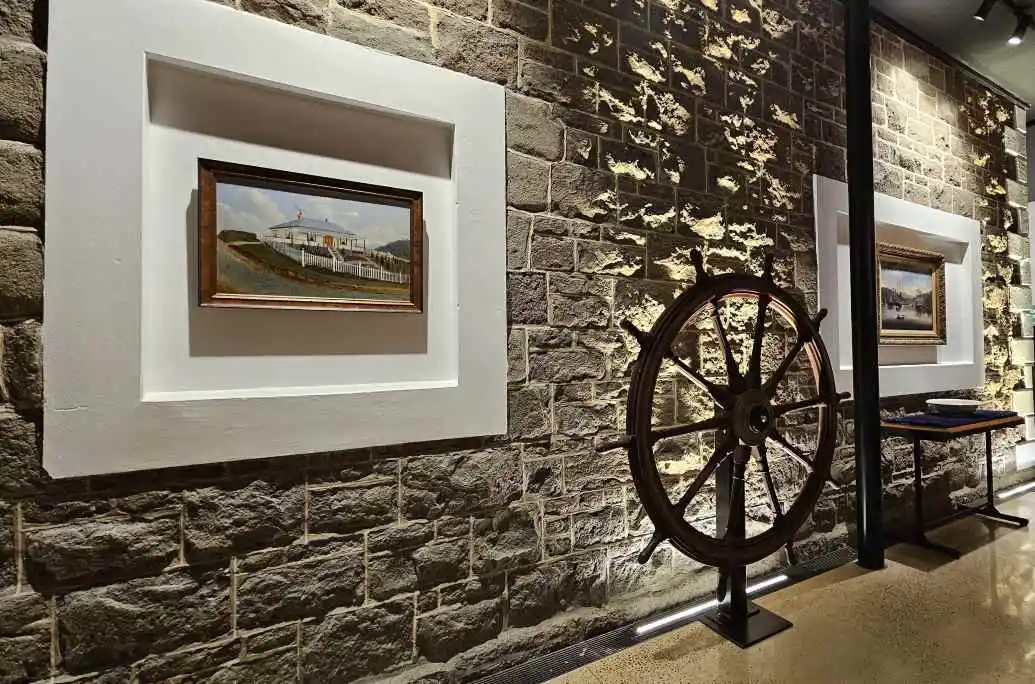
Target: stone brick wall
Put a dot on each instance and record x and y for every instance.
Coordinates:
(636, 129)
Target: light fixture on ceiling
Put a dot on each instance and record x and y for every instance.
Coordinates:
(982, 12)
(1023, 22)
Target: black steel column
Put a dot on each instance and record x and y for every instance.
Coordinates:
(863, 248)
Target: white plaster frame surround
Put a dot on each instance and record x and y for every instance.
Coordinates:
(97, 416)
(903, 370)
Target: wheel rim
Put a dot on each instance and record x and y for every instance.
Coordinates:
(748, 413)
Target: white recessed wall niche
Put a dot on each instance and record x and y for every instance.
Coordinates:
(958, 364)
(137, 375)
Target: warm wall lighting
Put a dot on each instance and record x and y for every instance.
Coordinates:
(982, 12)
(1014, 491)
(697, 609)
(1023, 22)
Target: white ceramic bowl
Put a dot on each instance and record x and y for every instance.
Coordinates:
(953, 407)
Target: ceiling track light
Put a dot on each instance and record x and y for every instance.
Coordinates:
(1023, 22)
(982, 12)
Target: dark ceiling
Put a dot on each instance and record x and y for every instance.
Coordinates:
(949, 24)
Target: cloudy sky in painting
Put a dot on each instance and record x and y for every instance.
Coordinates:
(256, 209)
(906, 282)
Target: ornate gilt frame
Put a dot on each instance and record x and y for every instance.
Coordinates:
(935, 263)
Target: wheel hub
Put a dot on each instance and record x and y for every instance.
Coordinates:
(753, 417)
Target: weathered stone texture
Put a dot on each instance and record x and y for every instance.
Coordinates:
(305, 589)
(101, 550)
(444, 633)
(21, 278)
(346, 509)
(18, 19)
(345, 646)
(21, 469)
(451, 484)
(309, 14)
(531, 129)
(21, 364)
(21, 184)
(22, 69)
(120, 623)
(221, 521)
(363, 30)
(475, 49)
(24, 637)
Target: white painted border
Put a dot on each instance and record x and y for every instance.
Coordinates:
(95, 419)
(959, 372)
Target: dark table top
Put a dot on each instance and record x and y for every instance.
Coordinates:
(942, 434)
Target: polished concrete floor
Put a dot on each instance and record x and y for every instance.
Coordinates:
(922, 619)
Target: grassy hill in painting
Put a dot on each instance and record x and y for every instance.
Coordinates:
(400, 248)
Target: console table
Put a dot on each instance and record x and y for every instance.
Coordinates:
(944, 432)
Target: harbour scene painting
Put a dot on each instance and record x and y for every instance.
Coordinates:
(911, 286)
(271, 239)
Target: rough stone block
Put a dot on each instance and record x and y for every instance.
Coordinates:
(21, 274)
(121, 623)
(529, 413)
(517, 355)
(362, 30)
(21, 184)
(389, 575)
(268, 669)
(406, 535)
(22, 69)
(475, 49)
(519, 226)
(24, 637)
(591, 34)
(521, 18)
(566, 365)
(223, 521)
(598, 527)
(532, 129)
(367, 503)
(580, 302)
(584, 420)
(552, 254)
(442, 561)
(297, 590)
(610, 259)
(509, 539)
(452, 484)
(22, 365)
(166, 667)
(553, 587)
(18, 20)
(528, 181)
(404, 13)
(302, 13)
(526, 298)
(543, 477)
(446, 632)
(579, 192)
(105, 548)
(21, 469)
(375, 638)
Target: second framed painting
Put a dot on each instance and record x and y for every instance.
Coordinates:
(911, 294)
(273, 239)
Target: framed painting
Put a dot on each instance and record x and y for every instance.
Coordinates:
(273, 239)
(911, 295)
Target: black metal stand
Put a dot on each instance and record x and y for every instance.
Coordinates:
(736, 618)
(988, 511)
(918, 535)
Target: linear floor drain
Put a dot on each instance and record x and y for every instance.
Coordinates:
(545, 667)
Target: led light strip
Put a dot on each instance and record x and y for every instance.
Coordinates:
(699, 608)
(1014, 491)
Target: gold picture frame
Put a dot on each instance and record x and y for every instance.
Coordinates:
(910, 295)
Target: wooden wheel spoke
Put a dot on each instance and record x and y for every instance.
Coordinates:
(719, 393)
(755, 364)
(717, 421)
(804, 337)
(732, 368)
(791, 450)
(717, 457)
(770, 487)
(782, 409)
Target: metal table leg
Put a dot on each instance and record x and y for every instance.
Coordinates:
(918, 536)
(989, 511)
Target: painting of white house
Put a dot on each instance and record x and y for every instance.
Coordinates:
(280, 243)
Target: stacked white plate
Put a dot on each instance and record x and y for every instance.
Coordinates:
(953, 407)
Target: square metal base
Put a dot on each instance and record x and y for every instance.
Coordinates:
(759, 625)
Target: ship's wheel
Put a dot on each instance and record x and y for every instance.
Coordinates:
(764, 413)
